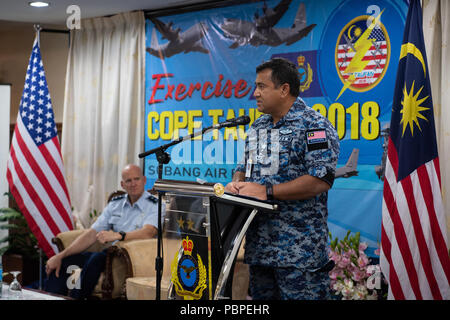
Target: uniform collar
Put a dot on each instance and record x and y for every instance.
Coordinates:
(139, 203)
(294, 113)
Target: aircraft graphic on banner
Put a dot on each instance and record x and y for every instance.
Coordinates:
(261, 31)
(258, 32)
(349, 170)
(271, 16)
(187, 41)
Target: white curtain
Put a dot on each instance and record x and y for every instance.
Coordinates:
(103, 108)
(436, 29)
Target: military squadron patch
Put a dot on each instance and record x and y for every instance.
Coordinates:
(362, 53)
(188, 274)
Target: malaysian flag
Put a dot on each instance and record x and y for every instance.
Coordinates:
(35, 169)
(414, 253)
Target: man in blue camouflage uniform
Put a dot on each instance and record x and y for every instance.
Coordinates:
(287, 251)
(128, 217)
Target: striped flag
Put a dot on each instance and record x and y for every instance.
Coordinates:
(414, 253)
(35, 169)
(374, 60)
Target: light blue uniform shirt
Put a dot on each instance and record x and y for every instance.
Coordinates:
(120, 215)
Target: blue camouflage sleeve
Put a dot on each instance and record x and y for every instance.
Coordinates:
(321, 152)
(241, 164)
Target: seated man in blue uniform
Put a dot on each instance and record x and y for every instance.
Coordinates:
(128, 217)
(287, 251)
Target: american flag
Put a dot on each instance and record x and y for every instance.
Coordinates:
(35, 168)
(414, 253)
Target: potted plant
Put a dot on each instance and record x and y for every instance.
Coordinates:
(21, 250)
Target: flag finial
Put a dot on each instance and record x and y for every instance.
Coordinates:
(38, 29)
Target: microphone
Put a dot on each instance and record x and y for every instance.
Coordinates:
(243, 120)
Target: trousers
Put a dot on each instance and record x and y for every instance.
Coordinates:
(288, 283)
(92, 264)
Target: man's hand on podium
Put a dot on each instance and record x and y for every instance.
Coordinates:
(249, 189)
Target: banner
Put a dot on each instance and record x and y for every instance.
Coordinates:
(200, 70)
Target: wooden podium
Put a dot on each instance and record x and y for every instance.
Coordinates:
(207, 227)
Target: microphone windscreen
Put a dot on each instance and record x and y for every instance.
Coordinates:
(243, 120)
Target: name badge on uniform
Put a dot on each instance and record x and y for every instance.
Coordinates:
(248, 168)
(316, 139)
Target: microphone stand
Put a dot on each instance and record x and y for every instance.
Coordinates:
(164, 158)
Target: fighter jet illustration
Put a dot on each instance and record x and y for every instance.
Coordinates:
(261, 31)
(349, 170)
(187, 41)
(270, 16)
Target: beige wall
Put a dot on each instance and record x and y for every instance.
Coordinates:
(16, 41)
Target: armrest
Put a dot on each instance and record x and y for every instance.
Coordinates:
(64, 239)
(135, 258)
(127, 259)
(139, 255)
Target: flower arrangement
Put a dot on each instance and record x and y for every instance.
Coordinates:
(352, 277)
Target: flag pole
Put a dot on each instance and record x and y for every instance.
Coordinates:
(38, 29)
(40, 268)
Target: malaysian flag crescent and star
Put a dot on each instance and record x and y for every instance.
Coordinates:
(414, 252)
(35, 169)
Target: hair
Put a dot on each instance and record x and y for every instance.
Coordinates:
(283, 71)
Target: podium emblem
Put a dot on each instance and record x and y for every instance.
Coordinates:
(188, 273)
(219, 189)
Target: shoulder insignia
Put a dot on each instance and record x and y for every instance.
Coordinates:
(118, 197)
(316, 139)
(152, 198)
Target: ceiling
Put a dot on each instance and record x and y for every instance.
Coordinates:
(55, 14)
